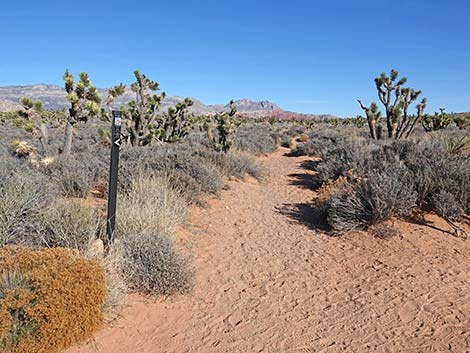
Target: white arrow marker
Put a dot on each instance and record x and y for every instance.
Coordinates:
(118, 142)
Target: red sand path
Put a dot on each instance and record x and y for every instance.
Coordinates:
(268, 283)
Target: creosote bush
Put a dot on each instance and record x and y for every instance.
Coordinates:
(50, 299)
(151, 264)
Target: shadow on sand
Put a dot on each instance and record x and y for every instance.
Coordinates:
(306, 214)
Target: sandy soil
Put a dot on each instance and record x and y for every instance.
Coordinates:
(267, 281)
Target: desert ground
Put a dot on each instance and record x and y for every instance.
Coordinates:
(269, 281)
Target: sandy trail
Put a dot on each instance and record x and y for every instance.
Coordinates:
(267, 282)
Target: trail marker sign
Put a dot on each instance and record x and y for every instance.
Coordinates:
(113, 176)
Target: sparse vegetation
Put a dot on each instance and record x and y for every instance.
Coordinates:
(381, 180)
(257, 138)
(171, 160)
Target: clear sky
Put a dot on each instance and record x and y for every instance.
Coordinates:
(306, 56)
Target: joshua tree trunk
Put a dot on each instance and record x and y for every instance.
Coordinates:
(68, 139)
(372, 115)
(44, 138)
(372, 128)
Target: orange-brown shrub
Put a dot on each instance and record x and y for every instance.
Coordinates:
(49, 299)
(303, 138)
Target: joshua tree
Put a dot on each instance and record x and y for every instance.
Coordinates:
(396, 100)
(178, 123)
(33, 111)
(373, 116)
(226, 126)
(440, 120)
(142, 112)
(462, 121)
(113, 93)
(144, 123)
(84, 103)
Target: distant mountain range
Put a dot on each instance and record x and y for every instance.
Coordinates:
(53, 97)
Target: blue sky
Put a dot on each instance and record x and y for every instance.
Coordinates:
(307, 56)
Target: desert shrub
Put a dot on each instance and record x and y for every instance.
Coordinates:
(285, 141)
(434, 169)
(22, 198)
(77, 174)
(317, 141)
(234, 163)
(186, 186)
(200, 170)
(115, 285)
(50, 299)
(240, 163)
(150, 205)
(69, 223)
(387, 178)
(296, 130)
(184, 168)
(446, 205)
(258, 138)
(151, 264)
(382, 195)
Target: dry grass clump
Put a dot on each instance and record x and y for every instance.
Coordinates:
(191, 168)
(115, 284)
(23, 195)
(184, 168)
(50, 299)
(240, 163)
(150, 205)
(235, 163)
(70, 223)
